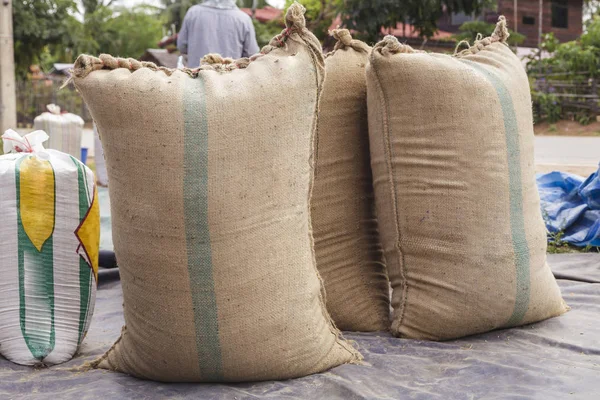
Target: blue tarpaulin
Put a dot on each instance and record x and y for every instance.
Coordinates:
(571, 205)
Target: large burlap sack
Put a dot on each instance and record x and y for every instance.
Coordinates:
(347, 247)
(49, 239)
(459, 212)
(210, 175)
(64, 130)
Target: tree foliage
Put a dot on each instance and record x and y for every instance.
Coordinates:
(368, 17)
(319, 15)
(36, 24)
(581, 56)
(174, 11)
(469, 31)
(132, 32)
(49, 31)
(250, 3)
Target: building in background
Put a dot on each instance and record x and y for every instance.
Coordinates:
(161, 57)
(564, 18)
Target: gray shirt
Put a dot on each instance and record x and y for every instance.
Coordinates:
(206, 29)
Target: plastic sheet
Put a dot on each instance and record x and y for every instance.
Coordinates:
(571, 207)
(555, 359)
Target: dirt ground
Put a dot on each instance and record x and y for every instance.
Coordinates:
(567, 128)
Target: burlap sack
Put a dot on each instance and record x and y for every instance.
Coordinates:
(349, 254)
(457, 204)
(210, 176)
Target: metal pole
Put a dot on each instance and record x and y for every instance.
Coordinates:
(8, 102)
(515, 25)
(540, 22)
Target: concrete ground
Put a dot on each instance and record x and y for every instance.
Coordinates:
(578, 155)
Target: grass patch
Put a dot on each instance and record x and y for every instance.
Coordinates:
(557, 246)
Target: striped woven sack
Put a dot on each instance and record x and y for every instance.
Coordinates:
(459, 213)
(64, 130)
(49, 240)
(210, 178)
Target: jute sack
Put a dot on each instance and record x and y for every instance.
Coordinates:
(458, 208)
(347, 247)
(210, 177)
(49, 240)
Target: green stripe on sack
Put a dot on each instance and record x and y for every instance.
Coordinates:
(517, 220)
(195, 183)
(36, 299)
(85, 272)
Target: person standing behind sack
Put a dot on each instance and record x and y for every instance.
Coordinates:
(216, 26)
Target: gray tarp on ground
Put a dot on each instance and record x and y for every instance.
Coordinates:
(555, 359)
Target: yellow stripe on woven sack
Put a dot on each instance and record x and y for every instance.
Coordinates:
(88, 234)
(37, 200)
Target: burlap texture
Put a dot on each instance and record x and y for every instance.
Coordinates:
(210, 175)
(347, 247)
(458, 209)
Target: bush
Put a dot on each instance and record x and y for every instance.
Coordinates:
(265, 32)
(470, 30)
(549, 107)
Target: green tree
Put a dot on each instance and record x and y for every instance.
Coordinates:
(38, 24)
(131, 31)
(470, 30)
(319, 15)
(250, 3)
(174, 11)
(367, 18)
(120, 31)
(581, 56)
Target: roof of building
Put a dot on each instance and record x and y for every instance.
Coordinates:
(160, 57)
(401, 30)
(265, 14)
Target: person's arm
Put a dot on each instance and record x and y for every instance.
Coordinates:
(182, 37)
(250, 44)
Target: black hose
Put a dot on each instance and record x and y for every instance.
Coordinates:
(107, 259)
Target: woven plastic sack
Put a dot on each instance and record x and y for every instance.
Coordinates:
(64, 130)
(101, 175)
(49, 239)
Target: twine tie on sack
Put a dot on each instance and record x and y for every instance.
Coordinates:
(342, 35)
(30, 143)
(500, 34)
(390, 45)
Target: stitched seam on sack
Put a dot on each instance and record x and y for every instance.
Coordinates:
(388, 156)
(319, 79)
